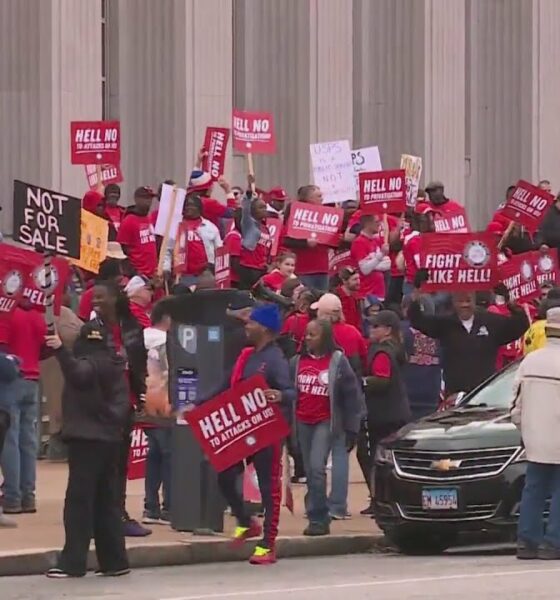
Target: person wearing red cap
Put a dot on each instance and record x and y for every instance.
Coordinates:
(276, 202)
(136, 234)
(111, 209)
(93, 202)
(312, 258)
(422, 222)
(232, 243)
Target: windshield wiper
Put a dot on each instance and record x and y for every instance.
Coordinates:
(481, 405)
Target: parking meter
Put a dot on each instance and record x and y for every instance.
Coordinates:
(202, 346)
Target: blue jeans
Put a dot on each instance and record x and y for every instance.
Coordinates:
(158, 470)
(317, 281)
(541, 482)
(315, 444)
(19, 456)
(340, 473)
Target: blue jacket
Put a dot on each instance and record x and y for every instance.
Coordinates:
(250, 229)
(273, 365)
(9, 374)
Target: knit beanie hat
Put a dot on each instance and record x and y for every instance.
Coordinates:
(200, 181)
(267, 315)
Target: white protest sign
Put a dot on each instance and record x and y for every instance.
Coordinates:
(165, 206)
(333, 171)
(365, 160)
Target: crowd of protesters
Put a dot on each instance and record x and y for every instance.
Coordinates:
(351, 356)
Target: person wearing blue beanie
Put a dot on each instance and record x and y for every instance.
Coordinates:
(262, 356)
(267, 315)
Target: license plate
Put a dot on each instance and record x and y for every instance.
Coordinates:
(440, 499)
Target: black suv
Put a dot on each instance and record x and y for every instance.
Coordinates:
(454, 471)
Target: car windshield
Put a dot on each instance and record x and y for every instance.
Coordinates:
(497, 393)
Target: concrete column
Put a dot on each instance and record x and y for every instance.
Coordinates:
(50, 68)
(174, 79)
(286, 54)
(409, 84)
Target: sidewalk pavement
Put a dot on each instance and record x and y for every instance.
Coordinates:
(31, 548)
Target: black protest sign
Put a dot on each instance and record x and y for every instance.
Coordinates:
(47, 220)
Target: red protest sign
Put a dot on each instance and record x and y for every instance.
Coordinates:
(253, 132)
(95, 142)
(453, 221)
(338, 259)
(22, 275)
(383, 192)
(109, 174)
(315, 222)
(222, 269)
(275, 229)
(520, 278)
(137, 454)
(215, 145)
(546, 266)
(528, 205)
(237, 423)
(459, 261)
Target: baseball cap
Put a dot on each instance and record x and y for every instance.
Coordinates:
(434, 185)
(278, 194)
(144, 192)
(327, 302)
(385, 318)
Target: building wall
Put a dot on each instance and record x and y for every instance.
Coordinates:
(472, 86)
(50, 74)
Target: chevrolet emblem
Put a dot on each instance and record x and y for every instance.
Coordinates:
(446, 464)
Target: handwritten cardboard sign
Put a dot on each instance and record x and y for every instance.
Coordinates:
(47, 219)
(333, 170)
(93, 242)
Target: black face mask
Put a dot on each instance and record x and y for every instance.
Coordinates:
(438, 200)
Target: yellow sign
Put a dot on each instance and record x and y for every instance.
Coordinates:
(93, 244)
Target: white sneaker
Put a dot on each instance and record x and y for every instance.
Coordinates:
(7, 523)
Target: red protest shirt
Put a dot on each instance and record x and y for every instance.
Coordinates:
(190, 257)
(115, 214)
(312, 260)
(26, 338)
(232, 244)
(395, 271)
(213, 210)
(141, 314)
(350, 307)
(258, 258)
(295, 326)
(350, 340)
(274, 280)
(447, 208)
(381, 365)
(85, 308)
(137, 234)
(313, 403)
(372, 284)
(411, 253)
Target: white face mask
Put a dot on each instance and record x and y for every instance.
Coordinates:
(500, 300)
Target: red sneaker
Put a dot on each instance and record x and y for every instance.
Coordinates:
(263, 556)
(242, 534)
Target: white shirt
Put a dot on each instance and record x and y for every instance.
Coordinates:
(468, 324)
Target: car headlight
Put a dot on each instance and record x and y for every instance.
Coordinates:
(384, 456)
(521, 456)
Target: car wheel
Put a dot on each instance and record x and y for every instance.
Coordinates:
(420, 542)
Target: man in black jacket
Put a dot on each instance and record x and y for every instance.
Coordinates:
(549, 233)
(470, 339)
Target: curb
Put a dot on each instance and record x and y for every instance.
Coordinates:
(36, 562)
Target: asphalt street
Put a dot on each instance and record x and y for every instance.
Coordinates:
(459, 576)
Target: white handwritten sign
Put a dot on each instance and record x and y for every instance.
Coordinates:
(365, 160)
(333, 171)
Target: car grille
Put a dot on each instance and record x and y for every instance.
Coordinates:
(452, 466)
(469, 512)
